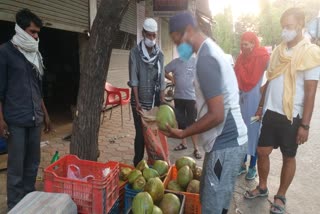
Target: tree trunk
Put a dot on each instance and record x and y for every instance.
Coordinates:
(93, 72)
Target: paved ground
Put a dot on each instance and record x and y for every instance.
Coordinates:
(116, 143)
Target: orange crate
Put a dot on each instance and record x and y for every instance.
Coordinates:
(192, 205)
(95, 196)
(122, 184)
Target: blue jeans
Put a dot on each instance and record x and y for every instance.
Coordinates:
(23, 162)
(253, 161)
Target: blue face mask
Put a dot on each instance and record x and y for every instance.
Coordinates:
(185, 51)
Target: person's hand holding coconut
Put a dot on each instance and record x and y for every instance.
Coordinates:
(166, 120)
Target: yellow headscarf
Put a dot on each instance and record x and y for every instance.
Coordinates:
(305, 56)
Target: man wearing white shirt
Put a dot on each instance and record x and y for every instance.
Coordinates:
(287, 103)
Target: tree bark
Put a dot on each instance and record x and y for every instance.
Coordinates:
(93, 72)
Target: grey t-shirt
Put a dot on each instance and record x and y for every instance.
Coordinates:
(215, 77)
(184, 74)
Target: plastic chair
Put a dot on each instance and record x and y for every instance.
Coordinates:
(115, 97)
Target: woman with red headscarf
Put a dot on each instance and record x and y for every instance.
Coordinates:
(249, 68)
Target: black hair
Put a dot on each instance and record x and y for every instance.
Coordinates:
(183, 29)
(298, 14)
(24, 17)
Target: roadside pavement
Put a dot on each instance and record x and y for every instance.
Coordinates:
(116, 143)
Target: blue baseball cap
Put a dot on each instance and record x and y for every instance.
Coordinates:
(181, 21)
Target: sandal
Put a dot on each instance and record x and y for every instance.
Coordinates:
(277, 208)
(180, 147)
(261, 193)
(197, 154)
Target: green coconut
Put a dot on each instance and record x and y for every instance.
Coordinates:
(185, 161)
(194, 187)
(142, 203)
(124, 173)
(142, 165)
(170, 204)
(139, 183)
(150, 173)
(165, 115)
(134, 174)
(161, 166)
(185, 175)
(155, 188)
(197, 172)
(174, 186)
(156, 210)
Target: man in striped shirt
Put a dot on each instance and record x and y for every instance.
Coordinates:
(147, 82)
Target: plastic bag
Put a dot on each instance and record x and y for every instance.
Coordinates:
(155, 141)
(106, 172)
(74, 173)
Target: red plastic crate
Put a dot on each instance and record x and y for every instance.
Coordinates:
(95, 196)
(192, 205)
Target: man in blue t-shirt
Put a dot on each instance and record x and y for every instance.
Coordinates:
(219, 124)
(183, 73)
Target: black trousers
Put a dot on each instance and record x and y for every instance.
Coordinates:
(23, 162)
(186, 112)
(139, 139)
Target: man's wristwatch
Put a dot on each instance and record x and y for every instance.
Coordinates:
(305, 127)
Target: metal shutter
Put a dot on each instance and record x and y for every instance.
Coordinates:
(128, 23)
(140, 19)
(70, 15)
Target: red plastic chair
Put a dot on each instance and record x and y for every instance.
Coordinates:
(116, 96)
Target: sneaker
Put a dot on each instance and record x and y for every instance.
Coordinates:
(242, 170)
(252, 174)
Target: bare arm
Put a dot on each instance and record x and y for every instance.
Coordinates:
(47, 122)
(310, 89)
(210, 80)
(263, 94)
(212, 118)
(44, 109)
(261, 103)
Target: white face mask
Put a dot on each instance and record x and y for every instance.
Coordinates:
(288, 35)
(149, 43)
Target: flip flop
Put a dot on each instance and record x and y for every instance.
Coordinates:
(197, 154)
(180, 147)
(261, 193)
(277, 208)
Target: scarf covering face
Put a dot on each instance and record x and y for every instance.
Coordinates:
(305, 56)
(152, 59)
(28, 46)
(250, 68)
